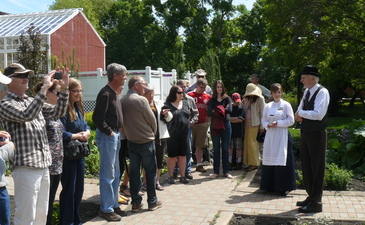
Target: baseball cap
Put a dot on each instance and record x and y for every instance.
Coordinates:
(4, 79)
(236, 97)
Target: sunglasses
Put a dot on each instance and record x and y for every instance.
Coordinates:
(56, 93)
(180, 92)
(21, 75)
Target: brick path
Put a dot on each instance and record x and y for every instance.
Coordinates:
(204, 200)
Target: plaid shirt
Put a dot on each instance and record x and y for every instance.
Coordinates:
(24, 118)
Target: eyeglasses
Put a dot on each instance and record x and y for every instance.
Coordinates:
(202, 87)
(143, 84)
(77, 91)
(21, 75)
(180, 92)
(201, 77)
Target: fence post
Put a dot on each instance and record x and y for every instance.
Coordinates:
(148, 74)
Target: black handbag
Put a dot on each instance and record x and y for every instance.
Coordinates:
(261, 136)
(75, 149)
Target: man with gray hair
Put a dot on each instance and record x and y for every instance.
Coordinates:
(140, 128)
(108, 119)
(312, 114)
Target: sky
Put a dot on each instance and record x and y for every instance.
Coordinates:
(28, 6)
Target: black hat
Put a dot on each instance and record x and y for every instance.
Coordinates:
(312, 70)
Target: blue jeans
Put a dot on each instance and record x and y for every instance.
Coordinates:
(221, 140)
(109, 170)
(4, 206)
(145, 154)
(72, 180)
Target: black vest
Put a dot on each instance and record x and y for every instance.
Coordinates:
(313, 125)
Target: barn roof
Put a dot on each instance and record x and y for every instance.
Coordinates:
(47, 22)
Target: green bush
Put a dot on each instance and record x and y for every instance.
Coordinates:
(89, 120)
(92, 161)
(336, 178)
(299, 180)
(346, 148)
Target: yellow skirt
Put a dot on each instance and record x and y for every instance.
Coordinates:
(251, 153)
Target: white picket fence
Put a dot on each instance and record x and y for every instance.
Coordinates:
(93, 81)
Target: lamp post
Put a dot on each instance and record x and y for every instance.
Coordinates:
(299, 40)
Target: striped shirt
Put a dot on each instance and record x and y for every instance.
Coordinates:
(24, 119)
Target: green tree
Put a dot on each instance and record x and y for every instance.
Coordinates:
(32, 54)
(332, 38)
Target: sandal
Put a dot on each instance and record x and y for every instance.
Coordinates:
(251, 168)
(144, 187)
(159, 187)
(122, 200)
(124, 190)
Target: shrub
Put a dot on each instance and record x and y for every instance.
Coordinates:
(299, 180)
(89, 120)
(92, 161)
(346, 148)
(336, 178)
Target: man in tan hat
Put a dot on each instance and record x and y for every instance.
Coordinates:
(200, 73)
(24, 118)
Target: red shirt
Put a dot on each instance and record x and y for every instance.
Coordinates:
(201, 102)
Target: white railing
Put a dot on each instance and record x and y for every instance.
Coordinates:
(93, 81)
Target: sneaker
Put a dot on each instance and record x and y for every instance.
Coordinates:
(155, 206)
(112, 216)
(120, 212)
(184, 180)
(171, 180)
(188, 175)
(136, 207)
(200, 169)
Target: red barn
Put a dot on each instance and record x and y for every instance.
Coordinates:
(67, 32)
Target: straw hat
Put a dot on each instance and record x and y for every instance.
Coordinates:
(252, 89)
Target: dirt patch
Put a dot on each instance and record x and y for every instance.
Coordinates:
(266, 220)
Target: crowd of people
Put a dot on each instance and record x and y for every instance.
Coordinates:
(39, 133)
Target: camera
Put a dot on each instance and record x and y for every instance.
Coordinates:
(58, 75)
(2, 138)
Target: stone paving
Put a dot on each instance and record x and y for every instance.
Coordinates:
(205, 201)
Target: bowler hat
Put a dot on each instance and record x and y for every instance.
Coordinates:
(312, 70)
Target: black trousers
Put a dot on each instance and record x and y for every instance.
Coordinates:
(313, 158)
